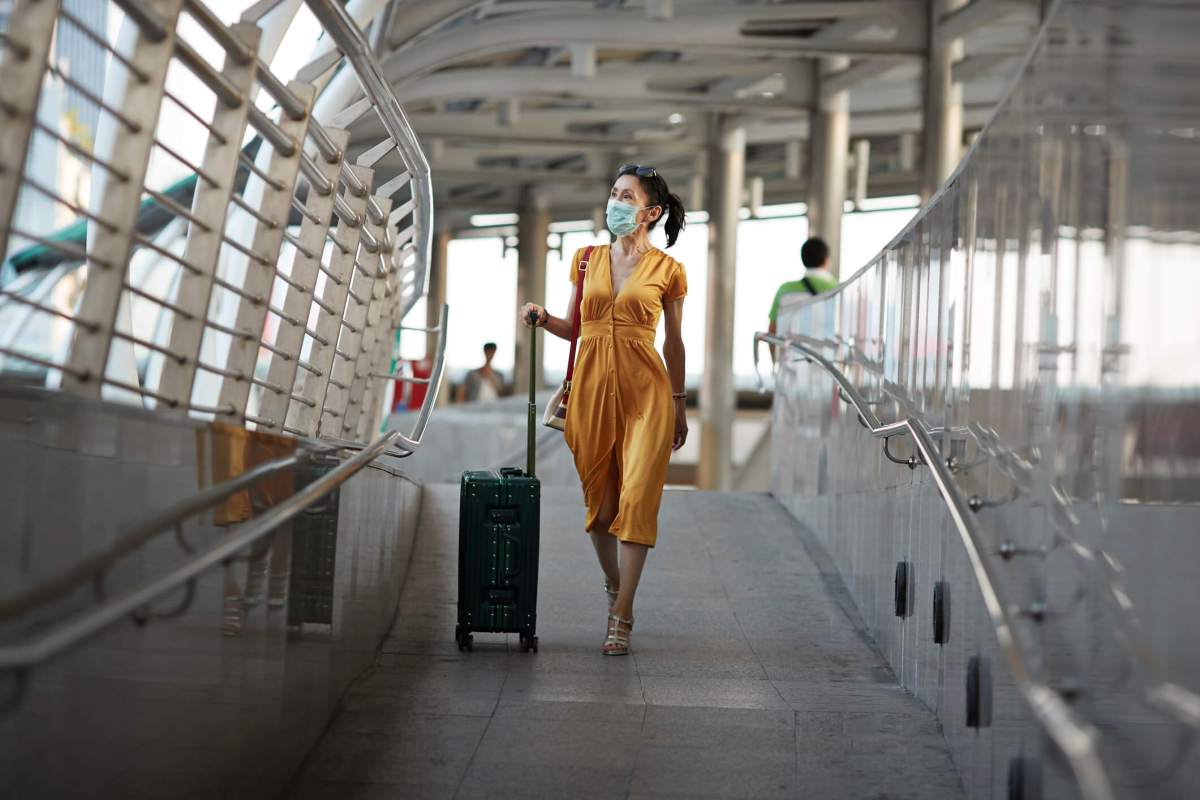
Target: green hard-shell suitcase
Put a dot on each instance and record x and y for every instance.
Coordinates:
(498, 528)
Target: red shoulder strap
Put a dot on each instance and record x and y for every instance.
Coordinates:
(579, 277)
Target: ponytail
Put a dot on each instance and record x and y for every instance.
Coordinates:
(675, 217)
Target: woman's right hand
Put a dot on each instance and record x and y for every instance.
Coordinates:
(528, 311)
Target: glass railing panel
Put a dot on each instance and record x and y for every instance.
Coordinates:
(1037, 319)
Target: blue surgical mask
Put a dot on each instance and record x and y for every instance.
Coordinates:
(621, 217)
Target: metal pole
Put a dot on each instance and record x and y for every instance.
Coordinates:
(530, 444)
(203, 248)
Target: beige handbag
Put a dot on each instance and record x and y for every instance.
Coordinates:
(556, 409)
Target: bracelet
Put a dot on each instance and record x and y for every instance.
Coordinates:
(679, 396)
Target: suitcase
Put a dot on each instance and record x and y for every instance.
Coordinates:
(498, 530)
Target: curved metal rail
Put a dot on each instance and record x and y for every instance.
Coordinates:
(59, 638)
(1074, 737)
(290, 173)
(93, 569)
(350, 40)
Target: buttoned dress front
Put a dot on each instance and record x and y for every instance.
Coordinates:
(620, 413)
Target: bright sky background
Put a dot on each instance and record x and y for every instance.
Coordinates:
(482, 285)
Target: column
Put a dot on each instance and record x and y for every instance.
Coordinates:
(829, 141)
(943, 103)
(533, 226)
(435, 298)
(862, 170)
(726, 175)
(435, 292)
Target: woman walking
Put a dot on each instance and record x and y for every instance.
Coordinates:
(626, 410)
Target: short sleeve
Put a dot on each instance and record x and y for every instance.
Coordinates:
(676, 283)
(574, 265)
(774, 313)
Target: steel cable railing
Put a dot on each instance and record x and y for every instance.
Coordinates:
(226, 350)
(281, 264)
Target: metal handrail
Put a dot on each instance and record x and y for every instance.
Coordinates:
(1074, 737)
(59, 638)
(94, 567)
(1168, 697)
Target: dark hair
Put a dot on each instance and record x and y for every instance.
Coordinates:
(660, 195)
(814, 253)
(489, 346)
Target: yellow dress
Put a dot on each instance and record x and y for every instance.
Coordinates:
(620, 398)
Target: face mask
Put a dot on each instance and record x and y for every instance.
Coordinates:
(621, 217)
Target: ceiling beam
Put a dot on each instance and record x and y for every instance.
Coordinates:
(703, 28)
(975, 15)
(620, 82)
(975, 67)
(858, 72)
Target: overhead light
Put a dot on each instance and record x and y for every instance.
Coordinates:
(675, 118)
(488, 220)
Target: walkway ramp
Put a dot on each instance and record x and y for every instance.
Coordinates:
(752, 676)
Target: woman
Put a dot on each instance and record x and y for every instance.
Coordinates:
(626, 410)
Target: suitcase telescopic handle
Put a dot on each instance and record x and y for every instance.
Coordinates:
(530, 450)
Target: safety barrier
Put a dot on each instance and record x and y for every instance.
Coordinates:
(1051, 488)
(192, 234)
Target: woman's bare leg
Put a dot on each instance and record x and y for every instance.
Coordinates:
(604, 542)
(633, 560)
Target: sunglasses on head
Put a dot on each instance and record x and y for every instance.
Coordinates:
(638, 169)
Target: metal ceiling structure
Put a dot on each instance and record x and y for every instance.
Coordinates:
(548, 96)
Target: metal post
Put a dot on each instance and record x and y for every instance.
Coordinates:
(533, 226)
(726, 170)
(943, 102)
(31, 28)
(314, 229)
(531, 408)
(374, 388)
(311, 387)
(829, 140)
(356, 349)
(119, 200)
(209, 205)
(274, 205)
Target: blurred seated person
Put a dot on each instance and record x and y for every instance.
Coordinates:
(817, 278)
(484, 384)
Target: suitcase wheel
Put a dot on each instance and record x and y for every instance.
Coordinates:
(529, 643)
(465, 641)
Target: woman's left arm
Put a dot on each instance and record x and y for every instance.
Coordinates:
(674, 355)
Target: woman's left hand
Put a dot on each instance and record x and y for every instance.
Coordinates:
(681, 428)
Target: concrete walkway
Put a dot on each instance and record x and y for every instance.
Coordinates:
(751, 677)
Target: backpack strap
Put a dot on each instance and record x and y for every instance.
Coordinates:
(808, 285)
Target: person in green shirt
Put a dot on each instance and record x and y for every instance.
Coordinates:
(817, 278)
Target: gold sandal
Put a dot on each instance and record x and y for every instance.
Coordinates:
(616, 643)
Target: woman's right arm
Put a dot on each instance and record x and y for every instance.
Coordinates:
(559, 326)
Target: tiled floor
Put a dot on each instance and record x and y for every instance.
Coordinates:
(749, 678)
